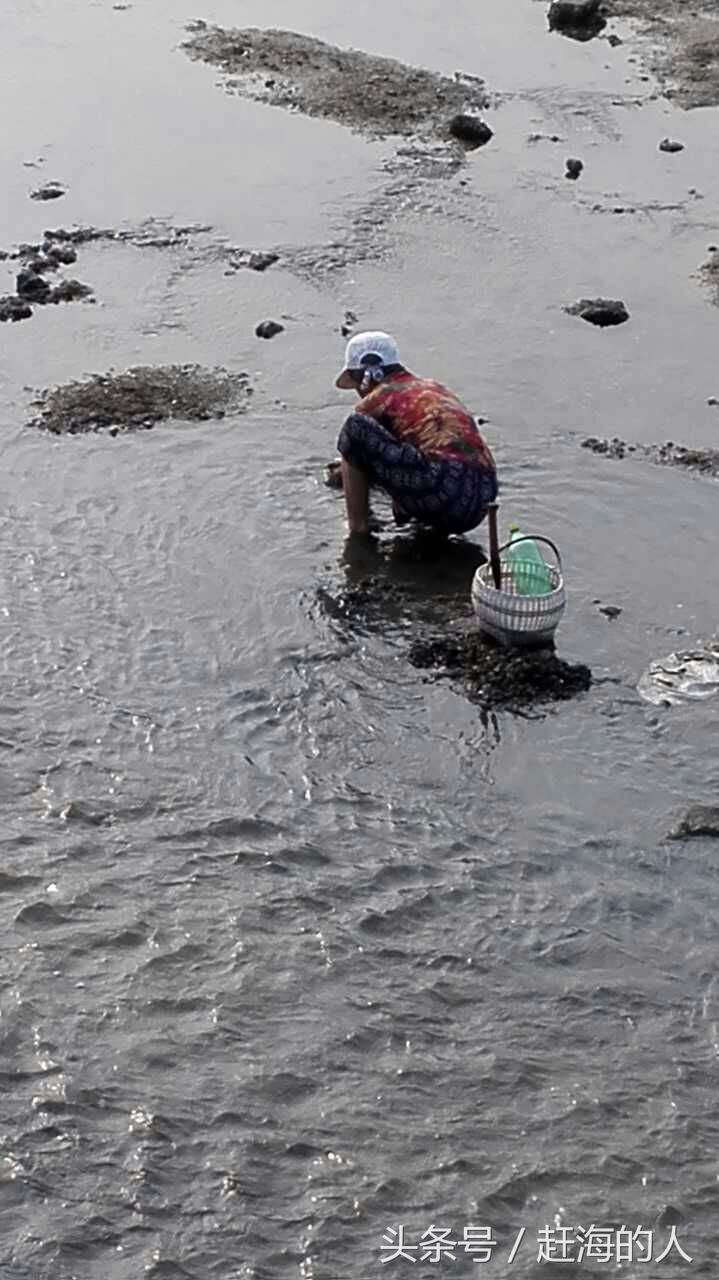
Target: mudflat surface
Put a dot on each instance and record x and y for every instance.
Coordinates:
(298, 944)
(686, 45)
(375, 95)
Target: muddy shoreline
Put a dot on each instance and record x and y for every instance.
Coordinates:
(377, 96)
(683, 45)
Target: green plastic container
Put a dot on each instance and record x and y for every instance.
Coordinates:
(530, 572)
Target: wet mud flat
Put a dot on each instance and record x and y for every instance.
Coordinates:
(491, 676)
(435, 118)
(686, 37)
(376, 96)
(685, 56)
(141, 397)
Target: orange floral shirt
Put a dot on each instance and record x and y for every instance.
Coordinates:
(424, 413)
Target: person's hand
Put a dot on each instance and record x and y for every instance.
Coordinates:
(333, 474)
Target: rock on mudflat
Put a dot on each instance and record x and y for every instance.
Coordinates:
(254, 260)
(13, 308)
(140, 397)
(580, 19)
(348, 324)
(31, 287)
(574, 168)
(69, 291)
(670, 145)
(48, 191)
(599, 311)
(470, 130)
(700, 820)
(614, 448)
(259, 261)
(269, 329)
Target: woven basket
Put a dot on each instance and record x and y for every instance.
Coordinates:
(518, 620)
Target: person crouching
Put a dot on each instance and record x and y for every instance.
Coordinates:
(413, 438)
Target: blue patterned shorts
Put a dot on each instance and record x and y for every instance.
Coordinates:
(449, 496)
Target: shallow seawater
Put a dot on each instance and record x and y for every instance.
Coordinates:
(298, 945)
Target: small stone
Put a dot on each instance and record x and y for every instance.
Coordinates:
(670, 145)
(470, 130)
(599, 311)
(13, 308)
(40, 264)
(574, 168)
(349, 323)
(261, 261)
(69, 291)
(48, 191)
(700, 820)
(268, 329)
(611, 611)
(669, 1216)
(580, 19)
(614, 40)
(31, 287)
(713, 400)
(610, 448)
(61, 255)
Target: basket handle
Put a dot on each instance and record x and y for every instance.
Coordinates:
(533, 538)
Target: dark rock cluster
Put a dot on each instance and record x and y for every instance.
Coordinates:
(31, 286)
(496, 677)
(703, 461)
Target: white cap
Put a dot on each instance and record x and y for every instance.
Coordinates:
(367, 344)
